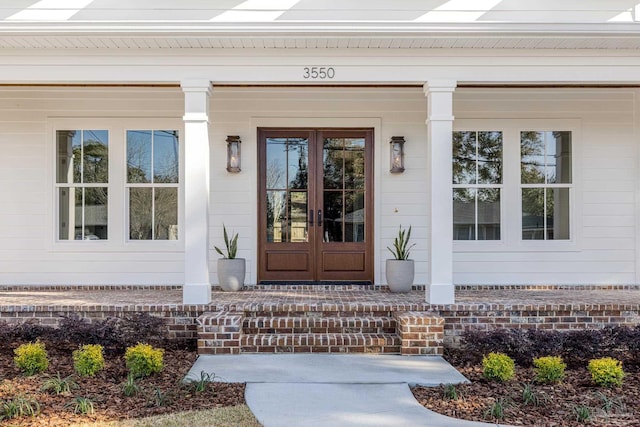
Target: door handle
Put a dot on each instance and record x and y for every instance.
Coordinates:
(311, 218)
(319, 218)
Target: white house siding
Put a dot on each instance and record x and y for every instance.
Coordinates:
(28, 254)
(604, 208)
(399, 199)
(605, 157)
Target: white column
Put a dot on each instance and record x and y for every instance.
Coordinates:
(439, 93)
(197, 286)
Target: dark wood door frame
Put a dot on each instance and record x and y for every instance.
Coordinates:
(316, 259)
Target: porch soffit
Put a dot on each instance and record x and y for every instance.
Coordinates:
(311, 36)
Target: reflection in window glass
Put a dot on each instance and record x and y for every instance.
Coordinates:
(153, 170)
(545, 167)
(82, 166)
(477, 175)
(545, 157)
(344, 180)
(287, 170)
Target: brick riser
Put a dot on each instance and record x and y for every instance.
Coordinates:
(408, 333)
(320, 343)
(323, 325)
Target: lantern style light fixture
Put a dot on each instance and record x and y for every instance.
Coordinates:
(233, 153)
(397, 154)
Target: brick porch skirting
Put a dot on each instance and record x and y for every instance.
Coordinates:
(619, 306)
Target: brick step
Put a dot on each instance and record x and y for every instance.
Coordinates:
(320, 343)
(319, 312)
(319, 325)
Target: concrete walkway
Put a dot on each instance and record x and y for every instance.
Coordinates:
(353, 390)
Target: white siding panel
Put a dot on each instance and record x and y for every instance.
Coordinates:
(28, 254)
(605, 156)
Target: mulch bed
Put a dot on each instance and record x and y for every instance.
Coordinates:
(558, 401)
(105, 389)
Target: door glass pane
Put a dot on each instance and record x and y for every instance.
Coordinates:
(533, 214)
(464, 157)
(297, 216)
(276, 216)
(138, 156)
(488, 214)
(333, 216)
(165, 156)
(464, 214)
(166, 213)
(140, 217)
(354, 216)
(354, 163)
(276, 163)
(333, 161)
(298, 161)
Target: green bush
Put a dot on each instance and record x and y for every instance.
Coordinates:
(549, 369)
(31, 358)
(606, 371)
(498, 367)
(144, 360)
(88, 359)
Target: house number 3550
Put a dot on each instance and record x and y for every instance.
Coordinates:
(318, 73)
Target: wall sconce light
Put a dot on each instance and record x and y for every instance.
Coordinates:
(233, 153)
(397, 154)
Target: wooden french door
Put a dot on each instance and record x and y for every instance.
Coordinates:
(315, 205)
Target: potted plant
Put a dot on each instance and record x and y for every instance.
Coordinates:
(231, 270)
(400, 270)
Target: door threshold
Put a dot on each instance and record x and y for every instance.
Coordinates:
(314, 283)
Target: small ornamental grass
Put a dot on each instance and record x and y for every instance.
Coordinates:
(144, 360)
(31, 358)
(88, 359)
(549, 369)
(606, 372)
(19, 406)
(498, 367)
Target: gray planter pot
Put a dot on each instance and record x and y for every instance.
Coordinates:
(400, 274)
(231, 273)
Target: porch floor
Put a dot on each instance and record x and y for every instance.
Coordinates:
(172, 295)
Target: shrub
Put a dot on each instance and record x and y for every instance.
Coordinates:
(144, 360)
(606, 371)
(31, 358)
(498, 367)
(88, 359)
(549, 369)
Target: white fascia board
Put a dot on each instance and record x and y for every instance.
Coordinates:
(316, 29)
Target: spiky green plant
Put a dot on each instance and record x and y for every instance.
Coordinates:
(59, 385)
(401, 248)
(231, 245)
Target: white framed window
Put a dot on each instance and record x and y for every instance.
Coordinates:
(117, 183)
(82, 179)
(477, 182)
(528, 200)
(546, 184)
(153, 176)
